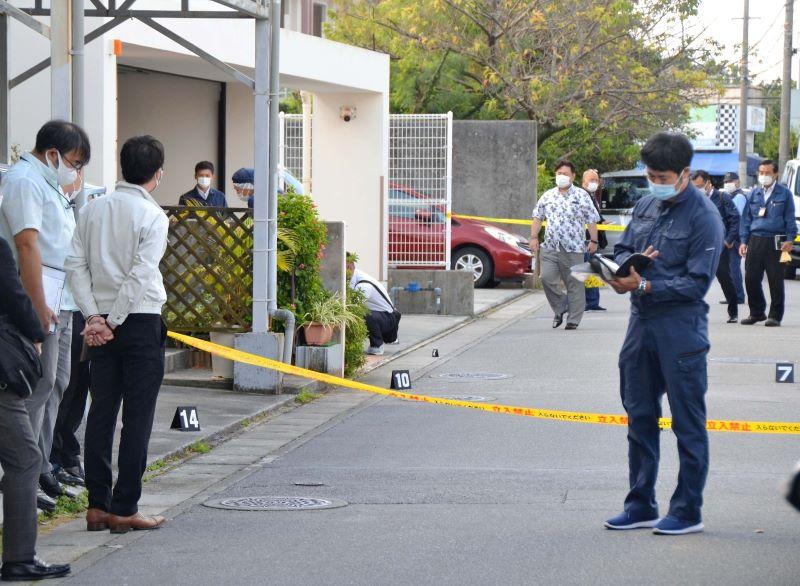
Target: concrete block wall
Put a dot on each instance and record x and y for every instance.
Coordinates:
(457, 298)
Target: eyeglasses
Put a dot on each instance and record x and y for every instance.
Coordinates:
(77, 165)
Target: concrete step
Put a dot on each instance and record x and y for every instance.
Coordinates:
(203, 378)
(176, 359)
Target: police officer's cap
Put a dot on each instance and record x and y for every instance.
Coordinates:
(730, 176)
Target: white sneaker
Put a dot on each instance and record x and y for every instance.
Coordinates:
(375, 351)
(395, 343)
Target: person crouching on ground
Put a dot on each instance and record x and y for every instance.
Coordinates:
(113, 269)
(383, 320)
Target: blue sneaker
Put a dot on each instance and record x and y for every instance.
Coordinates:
(670, 525)
(626, 520)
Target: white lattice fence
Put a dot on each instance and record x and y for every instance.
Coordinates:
(419, 191)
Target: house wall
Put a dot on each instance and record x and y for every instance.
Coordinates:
(180, 112)
(348, 159)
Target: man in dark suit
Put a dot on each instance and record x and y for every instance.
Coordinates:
(203, 194)
(730, 220)
(768, 228)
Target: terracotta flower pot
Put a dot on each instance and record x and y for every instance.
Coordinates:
(317, 334)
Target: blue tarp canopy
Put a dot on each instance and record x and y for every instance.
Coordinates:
(719, 163)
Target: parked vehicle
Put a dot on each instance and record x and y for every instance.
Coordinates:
(621, 191)
(791, 179)
(417, 234)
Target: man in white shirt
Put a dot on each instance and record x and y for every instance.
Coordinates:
(37, 218)
(568, 210)
(383, 320)
(113, 270)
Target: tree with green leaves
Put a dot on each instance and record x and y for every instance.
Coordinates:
(593, 74)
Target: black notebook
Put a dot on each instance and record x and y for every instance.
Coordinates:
(609, 270)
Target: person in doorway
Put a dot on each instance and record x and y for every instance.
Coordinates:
(730, 219)
(19, 451)
(383, 320)
(666, 344)
(567, 210)
(37, 217)
(113, 268)
(592, 184)
(733, 188)
(243, 183)
(768, 228)
(203, 194)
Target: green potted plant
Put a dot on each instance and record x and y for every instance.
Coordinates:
(324, 316)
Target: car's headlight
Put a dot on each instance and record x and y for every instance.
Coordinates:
(501, 235)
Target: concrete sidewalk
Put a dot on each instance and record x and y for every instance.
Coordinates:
(222, 412)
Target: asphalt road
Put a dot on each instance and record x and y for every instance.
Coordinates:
(439, 495)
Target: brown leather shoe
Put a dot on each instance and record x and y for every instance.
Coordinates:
(137, 522)
(96, 520)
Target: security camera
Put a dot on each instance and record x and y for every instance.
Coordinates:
(347, 113)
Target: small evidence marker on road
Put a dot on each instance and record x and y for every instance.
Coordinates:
(435, 353)
(186, 419)
(784, 372)
(401, 380)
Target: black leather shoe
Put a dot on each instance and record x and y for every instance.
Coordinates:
(33, 570)
(751, 319)
(45, 503)
(733, 319)
(571, 327)
(50, 486)
(772, 323)
(558, 320)
(64, 477)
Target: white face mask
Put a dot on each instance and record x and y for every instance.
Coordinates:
(65, 175)
(240, 190)
(729, 187)
(765, 180)
(592, 186)
(158, 180)
(563, 181)
(204, 182)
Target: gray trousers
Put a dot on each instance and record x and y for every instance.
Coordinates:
(21, 460)
(43, 403)
(555, 276)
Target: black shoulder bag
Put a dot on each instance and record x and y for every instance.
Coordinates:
(397, 315)
(20, 365)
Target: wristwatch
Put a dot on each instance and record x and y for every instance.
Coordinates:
(641, 289)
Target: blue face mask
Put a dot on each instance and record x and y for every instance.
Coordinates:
(665, 192)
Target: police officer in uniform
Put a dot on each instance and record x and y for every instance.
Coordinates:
(666, 345)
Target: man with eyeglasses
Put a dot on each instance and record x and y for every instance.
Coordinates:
(37, 217)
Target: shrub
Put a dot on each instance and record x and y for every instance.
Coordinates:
(301, 286)
(356, 333)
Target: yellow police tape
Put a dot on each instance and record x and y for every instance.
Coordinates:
(601, 227)
(606, 227)
(769, 427)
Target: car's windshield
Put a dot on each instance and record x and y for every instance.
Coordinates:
(623, 192)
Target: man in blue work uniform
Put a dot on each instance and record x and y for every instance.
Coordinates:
(665, 348)
(730, 220)
(731, 186)
(768, 228)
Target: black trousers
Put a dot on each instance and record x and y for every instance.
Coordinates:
(726, 282)
(382, 327)
(66, 451)
(127, 371)
(762, 257)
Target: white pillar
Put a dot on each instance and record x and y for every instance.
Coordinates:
(60, 60)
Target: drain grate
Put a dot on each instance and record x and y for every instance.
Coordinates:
(468, 398)
(273, 503)
(470, 376)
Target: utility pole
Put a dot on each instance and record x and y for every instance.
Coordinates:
(743, 96)
(786, 87)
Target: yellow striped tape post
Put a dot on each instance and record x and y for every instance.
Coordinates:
(761, 427)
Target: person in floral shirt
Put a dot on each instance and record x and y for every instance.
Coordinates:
(568, 210)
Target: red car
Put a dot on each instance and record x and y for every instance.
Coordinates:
(417, 237)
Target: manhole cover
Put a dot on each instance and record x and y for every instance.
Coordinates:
(470, 376)
(468, 398)
(740, 360)
(273, 503)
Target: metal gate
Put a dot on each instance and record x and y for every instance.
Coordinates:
(419, 190)
(291, 145)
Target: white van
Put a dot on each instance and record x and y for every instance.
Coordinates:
(791, 179)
